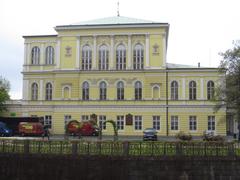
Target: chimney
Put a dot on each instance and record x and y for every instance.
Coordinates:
(199, 65)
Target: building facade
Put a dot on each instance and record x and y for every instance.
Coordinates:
(113, 67)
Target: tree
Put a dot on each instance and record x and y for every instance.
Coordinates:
(4, 96)
(229, 90)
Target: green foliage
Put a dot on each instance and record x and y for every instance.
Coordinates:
(4, 96)
(229, 89)
(183, 136)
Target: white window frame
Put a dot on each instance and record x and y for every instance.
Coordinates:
(174, 123)
(48, 121)
(49, 55)
(85, 91)
(138, 123)
(156, 122)
(120, 90)
(103, 61)
(211, 123)
(210, 90)
(174, 90)
(35, 55)
(48, 92)
(138, 57)
(34, 91)
(102, 121)
(192, 123)
(67, 118)
(121, 57)
(192, 90)
(85, 118)
(103, 90)
(86, 58)
(120, 122)
(138, 90)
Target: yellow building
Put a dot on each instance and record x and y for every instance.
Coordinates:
(112, 67)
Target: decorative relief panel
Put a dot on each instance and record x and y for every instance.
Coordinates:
(86, 40)
(138, 39)
(112, 81)
(120, 39)
(103, 40)
(68, 51)
(155, 49)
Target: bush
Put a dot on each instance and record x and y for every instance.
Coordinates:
(183, 136)
(211, 137)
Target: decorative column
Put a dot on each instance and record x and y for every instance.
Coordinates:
(94, 60)
(28, 56)
(164, 50)
(183, 89)
(111, 63)
(58, 53)
(78, 53)
(41, 90)
(42, 56)
(129, 52)
(25, 90)
(202, 89)
(147, 51)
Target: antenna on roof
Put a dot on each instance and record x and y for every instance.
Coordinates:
(118, 14)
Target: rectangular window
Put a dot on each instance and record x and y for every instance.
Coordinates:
(48, 121)
(120, 122)
(138, 122)
(211, 123)
(84, 117)
(174, 122)
(192, 123)
(102, 122)
(156, 122)
(67, 118)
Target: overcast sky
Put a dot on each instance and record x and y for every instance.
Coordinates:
(199, 29)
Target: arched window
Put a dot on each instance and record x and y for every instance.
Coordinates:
(192, 90)
(103, 58)
(34, 91)
(86, 58)
(174, 90)
(66, 92)
(35, 55)
(120, 91)
(85, 91)
(155, 92)
(49, 55)
(121, 57)
(138, 90)
(210, 90)
(102, 91)
(138, 57)
(48, 92)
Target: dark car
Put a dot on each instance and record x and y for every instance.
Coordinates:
(150, 134)
(4, 130)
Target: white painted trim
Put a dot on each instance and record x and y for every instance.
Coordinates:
(111, 64)
(202, 88)
(109, 34)
(94, 58)
(183, 89)
(164, 50)
(42, 57)
(102, 80)
(41, 89)
(147, 50)
(110, 26)
(58, 59)
(78, 53)
(129, 65)
(40, 41)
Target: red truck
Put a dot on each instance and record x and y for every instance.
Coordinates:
(82, 128)
(30, 128)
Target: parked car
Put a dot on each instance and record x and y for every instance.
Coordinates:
(4, 130)
(82, 128)
(150, 134)
(30, 128)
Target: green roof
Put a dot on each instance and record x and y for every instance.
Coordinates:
(114, 20)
